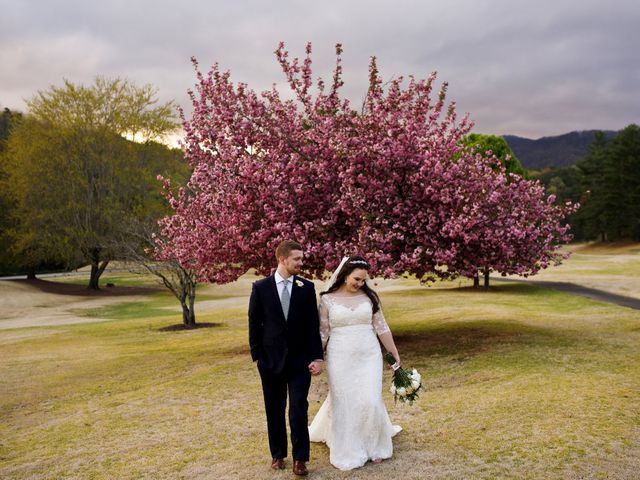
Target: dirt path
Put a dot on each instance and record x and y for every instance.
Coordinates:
(588, 292)
(31, 303)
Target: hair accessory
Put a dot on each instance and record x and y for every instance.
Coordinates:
(358, 262)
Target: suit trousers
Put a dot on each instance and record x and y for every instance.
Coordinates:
(275, 387)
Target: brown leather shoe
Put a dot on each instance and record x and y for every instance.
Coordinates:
(277, 463)
(299, 468)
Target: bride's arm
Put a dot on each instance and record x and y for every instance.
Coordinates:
(385, 335)
(325, 327)
(387, 340)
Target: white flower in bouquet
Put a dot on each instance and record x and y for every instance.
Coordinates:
(405, 384)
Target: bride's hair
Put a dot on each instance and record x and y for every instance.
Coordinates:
(349, 266)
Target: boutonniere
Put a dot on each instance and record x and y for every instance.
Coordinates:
(299, 283)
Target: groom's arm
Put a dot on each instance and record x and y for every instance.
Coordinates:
(256, 324)
(313, 333)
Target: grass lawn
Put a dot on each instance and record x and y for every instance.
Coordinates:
(521, 382)
(613, 268)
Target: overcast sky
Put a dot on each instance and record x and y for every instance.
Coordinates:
(518, 67)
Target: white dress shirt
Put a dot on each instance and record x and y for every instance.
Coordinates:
(280, 283)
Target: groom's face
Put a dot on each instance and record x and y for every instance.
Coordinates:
(292, 263)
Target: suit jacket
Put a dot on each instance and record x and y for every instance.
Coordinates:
(274, 340)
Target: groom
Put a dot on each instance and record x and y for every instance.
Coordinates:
(284, 336)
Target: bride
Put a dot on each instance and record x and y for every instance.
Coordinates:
(353, 420)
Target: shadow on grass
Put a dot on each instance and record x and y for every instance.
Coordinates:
(476, 337)
(181, 326)
(571, 288)
(512, 290)
(518, 286)
(60, 288)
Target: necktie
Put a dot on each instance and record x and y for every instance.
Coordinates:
(285, 299)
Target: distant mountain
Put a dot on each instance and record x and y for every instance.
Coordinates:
(558, 151)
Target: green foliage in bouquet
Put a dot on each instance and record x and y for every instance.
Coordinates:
(405, 384)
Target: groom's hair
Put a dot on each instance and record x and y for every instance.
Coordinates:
(285, 248)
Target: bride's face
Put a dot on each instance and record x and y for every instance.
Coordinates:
(355, 280)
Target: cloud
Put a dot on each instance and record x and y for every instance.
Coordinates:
(36, 62)
(518, 67)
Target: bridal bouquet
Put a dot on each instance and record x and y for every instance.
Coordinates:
(405, 384)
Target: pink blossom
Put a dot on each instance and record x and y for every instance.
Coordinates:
(391, 181)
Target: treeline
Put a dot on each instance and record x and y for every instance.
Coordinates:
(8, 262)
(78, 175)
(606, 182)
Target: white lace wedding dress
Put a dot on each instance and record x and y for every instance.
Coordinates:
(353, 420)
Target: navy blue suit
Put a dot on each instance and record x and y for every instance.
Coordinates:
(284, 348)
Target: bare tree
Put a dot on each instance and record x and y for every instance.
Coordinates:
(136, 249)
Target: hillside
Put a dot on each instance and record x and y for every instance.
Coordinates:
(556, 151)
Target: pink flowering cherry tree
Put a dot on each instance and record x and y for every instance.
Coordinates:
(264, 169)
(506, 224)
(391, 181)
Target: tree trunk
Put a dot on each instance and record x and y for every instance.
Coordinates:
(97, 269)
(188, 302)
(486, 277)
(188, 316)
(476, 280)
(31, 274)
(182, 283)
(94, 278)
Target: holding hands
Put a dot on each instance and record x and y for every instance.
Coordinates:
(315, 367)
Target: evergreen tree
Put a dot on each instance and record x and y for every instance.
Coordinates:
(592, 213)
(611, 177)
(622, 181)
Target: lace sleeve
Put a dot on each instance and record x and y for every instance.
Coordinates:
(379, 323)
(325, 328)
